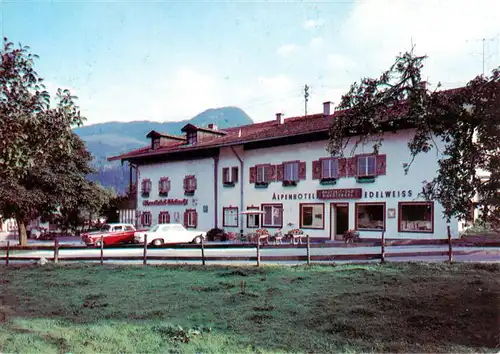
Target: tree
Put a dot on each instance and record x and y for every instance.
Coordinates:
(466, 120)
(29, 126)
(43, 164)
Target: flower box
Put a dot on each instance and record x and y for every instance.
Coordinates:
(261, 184)
(365, 179)
(228, 184)
(189, 192)
(328, 181)
(289, 183)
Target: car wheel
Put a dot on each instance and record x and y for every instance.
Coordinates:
(197, 240)
(157, 242)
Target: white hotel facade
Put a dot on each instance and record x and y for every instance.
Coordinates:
(207, 176)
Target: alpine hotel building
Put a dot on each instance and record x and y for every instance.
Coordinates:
(207, 176)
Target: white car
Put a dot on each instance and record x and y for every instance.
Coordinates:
(169, 233)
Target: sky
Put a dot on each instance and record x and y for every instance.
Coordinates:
(170, 60)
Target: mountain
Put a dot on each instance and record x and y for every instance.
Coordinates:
(113, 138)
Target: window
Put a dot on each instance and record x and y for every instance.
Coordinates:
(164, 185)
(118, 228)
(230, 217)
(416, 217)
(191, 138)
(370, 216)
(190, 218)
(230, 175)
(262, 173)
(146, 218)
(366, 166)
(156, 143)
(253, 220)
(273, 215)
(146, 186)
(164, 217)
(312, 216)
(291, 171)
(129, 228)
(189, 184)
(329, 168)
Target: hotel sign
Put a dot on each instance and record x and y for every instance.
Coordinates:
(349, 193)
(165, 202)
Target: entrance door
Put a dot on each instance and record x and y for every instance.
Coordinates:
(339, 223)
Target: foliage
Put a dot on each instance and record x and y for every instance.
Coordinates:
(465, 120)
(397, 307)
(30, 126)
(43, 164)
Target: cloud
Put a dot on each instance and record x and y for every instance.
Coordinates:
(287, 49)
(317, 42)
(276, 85)
(313, 24)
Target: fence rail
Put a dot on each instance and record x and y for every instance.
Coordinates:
(258, 257)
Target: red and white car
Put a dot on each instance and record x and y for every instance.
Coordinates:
(110, 234)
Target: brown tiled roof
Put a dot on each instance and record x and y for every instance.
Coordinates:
(237, 135)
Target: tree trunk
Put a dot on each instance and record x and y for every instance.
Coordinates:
(21, 227)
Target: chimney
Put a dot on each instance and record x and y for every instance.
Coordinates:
(327, 108)
(212, 126)
(279, 118)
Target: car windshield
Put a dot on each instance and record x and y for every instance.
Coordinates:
(105, 227)
(154, 228)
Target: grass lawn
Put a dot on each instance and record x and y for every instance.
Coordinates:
(350, 308)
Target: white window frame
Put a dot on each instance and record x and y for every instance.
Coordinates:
(253, 220)
(264, 172)
(291, 171)
(331, 166)
(230, 212)
(316, 209)
(190, 222)
(364, 171)
(162, 218)
(147, 218)
(274, 210)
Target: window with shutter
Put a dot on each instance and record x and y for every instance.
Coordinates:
(146, 218)
(190, 218)
(189, 185)
(291, 171)
(366, 166)
(229, 176)
(164, 186)
(316, 169)
(381, 165)
(164, 217)
(329, 168)
(263, 175)
(252, 174)
(146, 187)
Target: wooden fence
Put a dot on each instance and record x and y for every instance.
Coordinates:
(257, 258)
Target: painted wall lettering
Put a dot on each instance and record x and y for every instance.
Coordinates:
(388, 194)
(165, 202)
(348, 193)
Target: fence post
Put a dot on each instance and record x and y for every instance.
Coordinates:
(7, 254)
(202, 251)
(308, 250)
(56, 250)
(145, 254)
(258, 251)
(102, 250)
(382, 248)
(450, 252)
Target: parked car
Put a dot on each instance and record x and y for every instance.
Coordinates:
(169, 233)
(111, 234)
